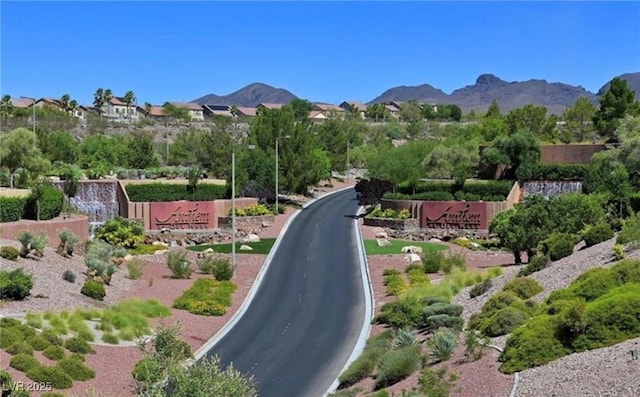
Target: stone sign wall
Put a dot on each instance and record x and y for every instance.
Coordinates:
(454, 215)
(182, 215)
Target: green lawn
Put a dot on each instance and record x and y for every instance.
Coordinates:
(263, 247)
(371, 247)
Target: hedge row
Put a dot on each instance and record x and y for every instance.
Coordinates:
(487, 191)
(559, 172)
(15, 208)
(175, 192)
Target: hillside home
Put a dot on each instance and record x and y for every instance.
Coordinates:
(351, 106)
(329, 110)
(269, 106)
(318, 116)
(118, 110)
(155, 112)
(244, 111)
(195, 111)
(393, 110)
(48, 102)
(22, 103)
(216, 110)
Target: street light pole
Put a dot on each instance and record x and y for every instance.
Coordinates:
(33, 105)
(233, 209)
(348, 143)
(277, 172)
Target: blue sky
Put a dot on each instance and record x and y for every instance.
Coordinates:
(322, 51)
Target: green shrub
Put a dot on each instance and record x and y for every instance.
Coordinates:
(473, 348)
(390, 272)
(169, 192)
(433, 261)
(589, 285)
(179, 265)
(20, 348)
(206, 297)
(559, 245)
(134, 268)
(597, 234)
(68, 242)
(537, 263)
(93, 289)
(15, 284)
(252, 210)
(77, 345)
(411, 267)
(503, 321)
(630, 230)
(480, 289)
(417, 277)
(54, 375)
(54, 352)
(618, 252)
(9, 253)
(121, 232)
(147, 370)
(442, 308)
(76, 368)
(403, 313)
(50, 204)
(364, 365)
(146, 249)
(6, 381)
(396, 365)
(39, 243)
(110, 338)
(442, 344)
(438, 321)
(523, 287)
(395, 284)
(12, 208)
(69, 276)
(218, 266)
(454, 261)
(24, 362)
(436, 383)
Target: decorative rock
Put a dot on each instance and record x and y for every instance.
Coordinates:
(383, 242)
(128, 257)
(245, 247)
(412, 258)
(411, 249)
(435, 240)
(161, 252)
(266, 224)
(382, 235)
(252, 238)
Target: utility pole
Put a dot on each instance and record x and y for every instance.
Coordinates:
(233, 209)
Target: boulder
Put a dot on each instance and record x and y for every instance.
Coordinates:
(412, 258)
(382, 242)
(161, 252)
(411, 249)
(162, 243)
(245, 247)
(266, 224)
(252, 238)
(435, 240)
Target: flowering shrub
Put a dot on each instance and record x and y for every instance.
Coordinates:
(390, 213)
(253, 210)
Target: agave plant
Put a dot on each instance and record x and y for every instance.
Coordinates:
(38, 243)
(68, 241)
(25, 239)
(442, 344)
(403, 338)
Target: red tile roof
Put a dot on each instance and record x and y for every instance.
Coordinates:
(188, 105)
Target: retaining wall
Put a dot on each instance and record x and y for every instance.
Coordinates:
(78, 224)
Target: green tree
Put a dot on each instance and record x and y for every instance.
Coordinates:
(615, 103)
(64, 102)
(578, 118)
(108, 96)
(400, 164)
(176, 112)
(410, 112)
(59, 146)
(377, 112)
(529, 117)
(6, 110)
(99, 100)
(493, 111)
(20, 149)
(129, 99)
(455, 113)
(147, 108)
(102, 150)
(141, 151)
(519, 152)
(301, 109)
(457, 162)
(216, 147)
(333, 137)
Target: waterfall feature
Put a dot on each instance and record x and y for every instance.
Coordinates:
(551, 188)
(97, 199)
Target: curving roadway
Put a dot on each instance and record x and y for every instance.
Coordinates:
(307, 314)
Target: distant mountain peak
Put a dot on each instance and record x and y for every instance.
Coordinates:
(489, 79)
(250, 95)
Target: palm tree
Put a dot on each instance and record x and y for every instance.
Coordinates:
(234, 111)
(129, 98)
(108, 96)
(147, 108)
(6, 109)
(64, 102)
(73, 106)
(98, 100)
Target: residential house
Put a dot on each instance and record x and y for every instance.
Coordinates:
(393, 110)
(195, 111)
(82, 112)
(244, 111)
(22, 103)
(155, 112)
(318, 116)
(328, 109)
(269, 106)
(48, 102)
(216, 110)
(118, 110)
(351, 106)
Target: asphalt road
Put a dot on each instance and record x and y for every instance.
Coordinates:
(306, 317)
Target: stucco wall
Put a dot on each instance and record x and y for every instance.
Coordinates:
(224, 222)
(78, 224)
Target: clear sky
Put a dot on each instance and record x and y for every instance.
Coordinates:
(322, 51)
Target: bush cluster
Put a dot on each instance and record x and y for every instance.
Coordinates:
(179, 265)
(506, 310)
(396, 365)
(429, 313)
(15, 284)
(600, 308)
(481, 288)
(536, 263)
(436, 261)
(121, 232)
(206, 297)
(442, 191)
(9, 253)
(597, 234)
(558, 245)
(12, 208)
(169, 192)
(252, 210)
(367, 362)
(559, 172)
(630, 230)
(218, 266)
(395, 284)
(93, 289)
(390, 213)
(50, 204)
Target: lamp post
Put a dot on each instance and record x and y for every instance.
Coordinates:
(348, 144)
(233, 206)
(278, 171)
(33, 105)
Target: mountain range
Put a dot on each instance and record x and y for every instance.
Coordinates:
(488, 87)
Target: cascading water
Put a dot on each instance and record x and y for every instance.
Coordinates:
(551, 188)
(97, 199)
